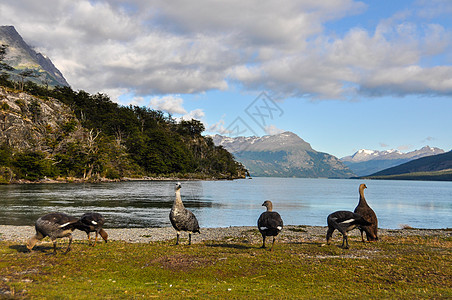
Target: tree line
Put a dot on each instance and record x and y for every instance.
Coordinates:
(115, 141)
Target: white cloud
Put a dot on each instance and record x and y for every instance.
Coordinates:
(405, 148)
(219, 128)
(174, 47)
(196, 114)
(170, 104)
(272, 130)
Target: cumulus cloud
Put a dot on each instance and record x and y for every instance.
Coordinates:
(170, 104)
(178, 47)
(196, 114)
(219, 128)
(272, 130)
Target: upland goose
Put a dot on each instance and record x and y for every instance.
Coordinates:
(54, 225)
(369, 215)
(344, 221)
(92, 222)
(181, 218)
(269, 223)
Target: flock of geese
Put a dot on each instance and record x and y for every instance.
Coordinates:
(59, 225)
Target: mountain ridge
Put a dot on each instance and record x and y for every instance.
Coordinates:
(365, 162)
(22, 57)
(282, 155)
(434, 167)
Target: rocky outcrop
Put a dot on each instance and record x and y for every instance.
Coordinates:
(31, 123)
(22, 57)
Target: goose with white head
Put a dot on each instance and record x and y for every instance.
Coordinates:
(181, 218)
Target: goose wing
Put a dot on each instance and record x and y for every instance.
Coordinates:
(270, 220)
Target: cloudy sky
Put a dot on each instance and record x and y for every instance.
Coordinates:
(342, 74)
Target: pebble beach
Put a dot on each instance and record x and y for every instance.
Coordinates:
(244, 234)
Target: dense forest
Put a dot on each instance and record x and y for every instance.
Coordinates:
(107, 140)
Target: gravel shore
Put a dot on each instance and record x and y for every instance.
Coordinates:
(246, 234)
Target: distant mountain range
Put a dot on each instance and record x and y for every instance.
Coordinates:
(435, 167)
(282, 155)
(22, 57)
(365, 162)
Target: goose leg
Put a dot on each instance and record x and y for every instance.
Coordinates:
(89, 238)
(177, 240)
(69, 246)
(54, 246)
(263, 241)
(271, 249)
(189, 238)
(345, 240)
(95, 240)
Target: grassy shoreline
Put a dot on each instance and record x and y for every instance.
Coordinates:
(405, 267)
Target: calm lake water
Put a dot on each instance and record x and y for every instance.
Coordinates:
(300, 201)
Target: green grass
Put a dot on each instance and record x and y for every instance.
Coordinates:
(412, 267)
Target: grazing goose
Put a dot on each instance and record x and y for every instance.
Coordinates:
(269, 223)
(55, 225)
(181, 218)
(343, 221)
(369, 215)
(92, 222)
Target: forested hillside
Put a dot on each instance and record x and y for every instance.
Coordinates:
(62, 133)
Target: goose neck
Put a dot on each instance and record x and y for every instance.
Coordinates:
(362, 199)
(178, 200)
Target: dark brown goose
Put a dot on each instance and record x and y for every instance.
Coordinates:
(54, 225)
(369, 215)
(343, 221)
(92, 222)
(269, 223)
(181, 218)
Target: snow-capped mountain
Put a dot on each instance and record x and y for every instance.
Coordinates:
(282, 155)
(365, 162)
(283, 141)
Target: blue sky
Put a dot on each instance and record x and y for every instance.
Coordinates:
(342, 74)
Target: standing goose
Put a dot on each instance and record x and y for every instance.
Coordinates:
(181, 218)
(344, 221)
(92, 222)
(54, 225)
(368, 214)
(269, 223)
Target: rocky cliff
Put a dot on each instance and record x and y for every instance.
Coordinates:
(32, 123)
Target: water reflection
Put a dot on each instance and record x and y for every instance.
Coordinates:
(127, 204)
(232, 203)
